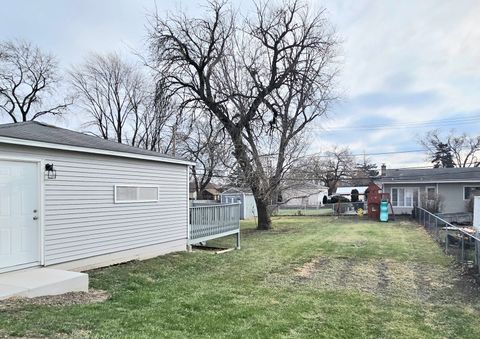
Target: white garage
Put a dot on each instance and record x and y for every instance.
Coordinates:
(74, 201)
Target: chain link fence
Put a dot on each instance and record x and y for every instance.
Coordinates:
(334, 209)
(461, 242)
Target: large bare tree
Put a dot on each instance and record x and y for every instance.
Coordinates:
(457, 150)
(264, 77)
(114, 94)
(28, 81)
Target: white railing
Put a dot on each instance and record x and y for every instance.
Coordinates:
(214, 221)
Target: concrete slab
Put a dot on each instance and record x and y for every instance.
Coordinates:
(41, 281)
(7, 291)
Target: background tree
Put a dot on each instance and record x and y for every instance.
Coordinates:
(207, 147)
(162, 124)
(114, 95)
(28, 79)
(364, 172)
(442, 156)
(236, 178)
(452, 150)
(335, 166)
(265, 78)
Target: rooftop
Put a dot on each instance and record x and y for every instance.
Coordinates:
(348, 189)
(458, 174)
(52, 135)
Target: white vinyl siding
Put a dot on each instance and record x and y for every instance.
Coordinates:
(81, 218)
(404, 196)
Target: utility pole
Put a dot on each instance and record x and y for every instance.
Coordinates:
(174, 139)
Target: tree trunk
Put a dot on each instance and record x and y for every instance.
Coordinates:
(264, 220)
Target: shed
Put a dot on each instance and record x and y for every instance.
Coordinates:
(244, 196)
(304, 195)
(74, 201)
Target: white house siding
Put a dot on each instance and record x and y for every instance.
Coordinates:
(80, 217)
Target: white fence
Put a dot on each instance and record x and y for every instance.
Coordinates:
(214, 221)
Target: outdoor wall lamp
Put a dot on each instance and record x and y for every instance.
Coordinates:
(50, 171)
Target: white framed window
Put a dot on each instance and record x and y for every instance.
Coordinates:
(404, 196)
(469, 191)
(135, 193)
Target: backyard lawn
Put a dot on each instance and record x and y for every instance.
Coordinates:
(311, 277)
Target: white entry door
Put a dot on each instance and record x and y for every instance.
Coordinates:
(19, 212)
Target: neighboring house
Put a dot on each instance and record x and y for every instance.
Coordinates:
(211, 192)
(74, 201)
(419, 187)
(347, 191)
(243, 196)
(304, 195)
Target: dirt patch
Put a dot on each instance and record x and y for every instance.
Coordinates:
(383, 276)
(67, 299)
(273, 231)
(308, 270)
(429, 283)
(346, 272)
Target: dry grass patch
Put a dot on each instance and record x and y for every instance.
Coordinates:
(435, 284)
(67, 299)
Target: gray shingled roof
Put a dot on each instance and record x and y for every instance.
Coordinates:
(432, 174)
(36, 131)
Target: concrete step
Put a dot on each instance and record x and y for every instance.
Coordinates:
(41, 281)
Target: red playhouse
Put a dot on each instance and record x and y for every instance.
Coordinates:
(374, 197)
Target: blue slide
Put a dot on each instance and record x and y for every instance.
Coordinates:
(384, 211)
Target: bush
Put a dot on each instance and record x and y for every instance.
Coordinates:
(432, 205)
(354, 194)
(338, 198)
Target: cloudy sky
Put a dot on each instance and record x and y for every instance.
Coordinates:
(406, 66)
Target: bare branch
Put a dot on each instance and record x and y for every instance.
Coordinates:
(28, 77)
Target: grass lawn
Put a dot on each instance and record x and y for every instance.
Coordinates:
(310, 277)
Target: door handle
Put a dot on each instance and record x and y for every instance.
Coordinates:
(35, 218)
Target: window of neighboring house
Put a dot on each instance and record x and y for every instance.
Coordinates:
(431, 193)
(135, 193)
(468, 191)
(404, 197)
